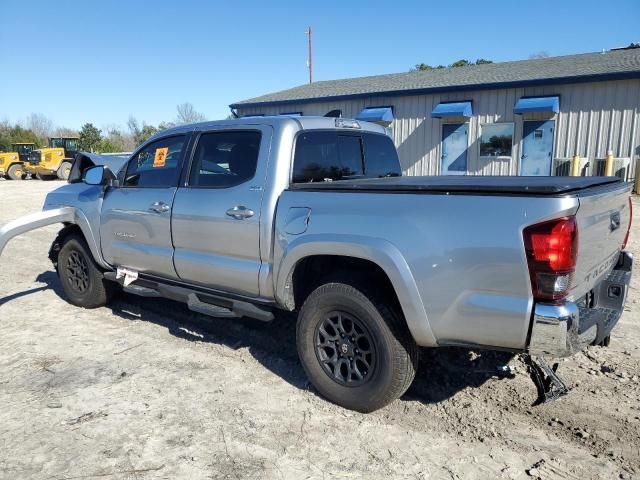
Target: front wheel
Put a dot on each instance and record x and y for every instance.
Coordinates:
(15, 172)
(64, 170)
(355, 349)
(82, 281)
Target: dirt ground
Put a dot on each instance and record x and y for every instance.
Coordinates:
(147, 389)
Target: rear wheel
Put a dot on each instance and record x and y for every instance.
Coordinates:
(15, 172)
(64, 170)
(81, 278)
(355, 349)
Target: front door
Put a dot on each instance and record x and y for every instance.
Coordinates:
(455, 139)
(537, 148)
(216, 217)
(135, 224)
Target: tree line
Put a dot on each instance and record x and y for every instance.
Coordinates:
(37, 129)
(459, 63)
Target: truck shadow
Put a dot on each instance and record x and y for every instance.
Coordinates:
(442, 372)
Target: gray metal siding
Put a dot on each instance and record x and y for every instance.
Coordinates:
(594, 118)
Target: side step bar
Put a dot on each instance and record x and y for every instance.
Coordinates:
(196, 301)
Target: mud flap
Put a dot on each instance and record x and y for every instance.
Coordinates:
(34, 221)
(549, 385)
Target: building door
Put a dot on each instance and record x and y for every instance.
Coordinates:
(455, 139)
(537, 148)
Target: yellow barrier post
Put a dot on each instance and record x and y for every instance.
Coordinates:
(637, 176)
(608, 169)
(575, 166)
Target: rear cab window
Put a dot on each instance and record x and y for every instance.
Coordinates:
(326, 156)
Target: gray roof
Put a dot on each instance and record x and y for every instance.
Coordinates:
(613, 64)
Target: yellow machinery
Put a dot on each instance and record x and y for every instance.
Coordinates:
(55, 160)
(14, 164)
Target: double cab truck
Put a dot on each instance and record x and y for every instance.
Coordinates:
(245, 217)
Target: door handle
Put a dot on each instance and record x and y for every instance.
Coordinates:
(240, 212)
(159, 207)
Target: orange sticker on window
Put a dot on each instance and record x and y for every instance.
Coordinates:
(160, 158)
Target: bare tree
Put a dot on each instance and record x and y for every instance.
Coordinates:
(540, 54)
(188, 114)
(133, 125)
(39, 124)
(65, 132)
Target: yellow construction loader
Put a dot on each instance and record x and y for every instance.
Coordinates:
(55, 160)
(14, 164)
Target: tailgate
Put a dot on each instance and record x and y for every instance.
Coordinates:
(603, 218)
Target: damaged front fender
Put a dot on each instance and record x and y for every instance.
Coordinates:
(33, 221)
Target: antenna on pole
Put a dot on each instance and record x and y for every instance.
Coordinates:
(310, 59)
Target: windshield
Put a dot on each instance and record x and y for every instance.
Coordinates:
(24, 149)
(70, 144)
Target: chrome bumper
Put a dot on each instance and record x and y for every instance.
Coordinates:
(564, 329)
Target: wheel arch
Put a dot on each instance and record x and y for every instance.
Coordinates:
(80, 226)
(346, 252)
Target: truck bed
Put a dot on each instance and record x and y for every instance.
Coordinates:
(476, 185)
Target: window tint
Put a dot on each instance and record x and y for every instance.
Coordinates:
(157, 164)
(381, 157)
(224, 159)
(327, 156)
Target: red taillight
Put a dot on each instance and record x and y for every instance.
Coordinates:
(552, 251)
(626, 237)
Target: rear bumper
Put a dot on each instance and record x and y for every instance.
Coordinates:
(567, 328)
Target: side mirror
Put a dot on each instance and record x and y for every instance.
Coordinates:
(98, 175)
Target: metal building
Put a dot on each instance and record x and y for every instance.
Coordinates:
(526, 117)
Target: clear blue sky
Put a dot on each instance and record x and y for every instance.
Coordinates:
(101, 61)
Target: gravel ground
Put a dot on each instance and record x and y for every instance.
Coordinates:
(147, 389)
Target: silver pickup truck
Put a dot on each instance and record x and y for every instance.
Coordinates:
(244, 217)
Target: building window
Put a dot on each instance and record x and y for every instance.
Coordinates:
(496, 140)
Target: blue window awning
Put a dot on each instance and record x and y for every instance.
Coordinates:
(380, 115)
(537, 104)
(452, 109)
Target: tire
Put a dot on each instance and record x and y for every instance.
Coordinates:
(15, 172)
(365, 374)
(63, 170)
(82, 280)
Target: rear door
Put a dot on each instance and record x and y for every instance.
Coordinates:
(216, 216)
(135, 225)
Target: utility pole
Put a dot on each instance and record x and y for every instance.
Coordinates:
(310, 59)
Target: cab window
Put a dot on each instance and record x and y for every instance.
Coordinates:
(326, 156)
(157, 164)
(225, 159)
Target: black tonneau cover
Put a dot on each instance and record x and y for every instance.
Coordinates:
(481, 185)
